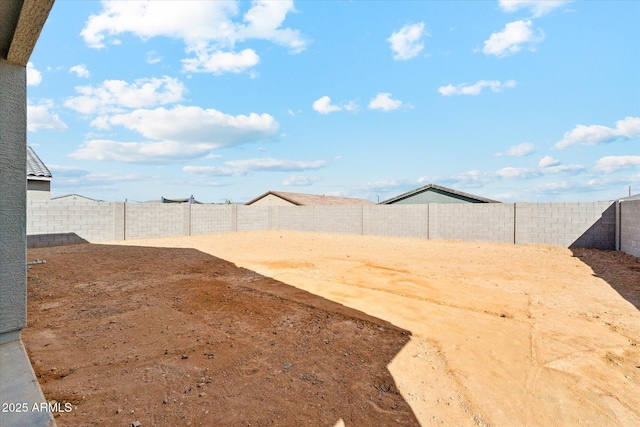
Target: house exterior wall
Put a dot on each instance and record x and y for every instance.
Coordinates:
(272, 200)
(13, 226)
(630, 227)
(38, 189)
(19, 32)
(433, 195)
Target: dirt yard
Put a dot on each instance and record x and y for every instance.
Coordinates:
(176, 337)
(501, 335)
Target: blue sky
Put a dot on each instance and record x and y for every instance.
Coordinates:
(513, 100)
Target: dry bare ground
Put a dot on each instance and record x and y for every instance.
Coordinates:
(502, 335)
(176, 337)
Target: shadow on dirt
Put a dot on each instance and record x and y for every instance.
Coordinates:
(179, 337)
(620, 270)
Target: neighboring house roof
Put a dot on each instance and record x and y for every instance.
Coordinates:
(36, 169)
(189, 200)
(76, 197)
(301, 199)
(441, 189)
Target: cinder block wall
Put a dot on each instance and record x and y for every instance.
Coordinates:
(252, 218)
(630, 227)
(492, 222)
(294, 218)
(558, 224)
(336, 219)
(56, 222)
(396, 220)
(145, 220)
(566, 224)
(211, 219)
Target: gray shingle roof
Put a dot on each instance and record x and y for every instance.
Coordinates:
(36, 169)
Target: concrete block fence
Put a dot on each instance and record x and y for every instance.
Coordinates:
(628, 237)
(604, 225)
(566, 224)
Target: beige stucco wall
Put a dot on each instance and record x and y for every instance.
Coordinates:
(272, 200)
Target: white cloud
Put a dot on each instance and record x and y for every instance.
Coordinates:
(477, 178)
(385, 186)
(300, 180)
(40, 117)
(34, 77)
(219, 62)
(269, 164)
(522, 173)
(556, 187)
(80, 70)
(406, 42)
(610, 164)
(537, 7)
(68, 171)
(350, 106)
(244, 166)
(323, 106)
(525, 173)
(547, 161)
(519, 150)
(511, 39)
(176, 134)
(473, 178)
(190, 124)
(208, 29)
(628, 128)
(263, 21)
(558, 168)
(116, 95)
(604, 182)
(201, 21)
(101, 180)
(383, 102)
(475, 89)
(139, 152)
(152, 57)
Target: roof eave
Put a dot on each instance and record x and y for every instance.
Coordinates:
(38, 178)
(274, 193)
(441, 188)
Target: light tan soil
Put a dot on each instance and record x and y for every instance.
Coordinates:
(502, 335)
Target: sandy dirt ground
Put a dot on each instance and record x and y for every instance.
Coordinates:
(176, 337)
(502, 335)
